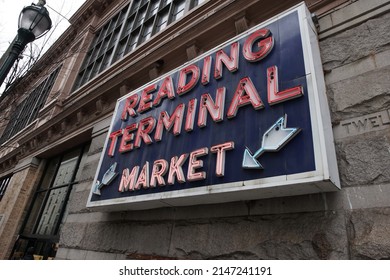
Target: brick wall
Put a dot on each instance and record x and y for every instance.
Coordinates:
(15, 201)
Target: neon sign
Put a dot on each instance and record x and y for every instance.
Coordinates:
(216, 128)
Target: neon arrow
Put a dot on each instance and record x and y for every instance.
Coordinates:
(273, 140)
(108, 177)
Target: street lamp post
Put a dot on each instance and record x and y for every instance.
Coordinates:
(34, 22)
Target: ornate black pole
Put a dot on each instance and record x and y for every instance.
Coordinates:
(34, 22)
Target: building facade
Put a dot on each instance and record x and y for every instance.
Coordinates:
(57, 126)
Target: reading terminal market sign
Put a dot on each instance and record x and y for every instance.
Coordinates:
(247, 120)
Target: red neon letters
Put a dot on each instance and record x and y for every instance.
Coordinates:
(203, 106)
(134, 180)
(150, 129)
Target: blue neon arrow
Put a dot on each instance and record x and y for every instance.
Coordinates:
(108, 177)
(273, 140)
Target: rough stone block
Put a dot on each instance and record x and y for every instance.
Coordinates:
(294, 204)
(361, 197)
(97, 144)
(121, 237)
(351, 70)
(369, 233)
(166, 213)
(90, 167)
(368, 38)
(72, 235)
(292, 236)
(78, 201)
(231, 209)
(361, 159)
(83, 186)
(359, 95)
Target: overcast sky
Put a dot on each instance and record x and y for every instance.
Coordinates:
(10, 10)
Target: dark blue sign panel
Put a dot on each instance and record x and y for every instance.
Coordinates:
(236, 114)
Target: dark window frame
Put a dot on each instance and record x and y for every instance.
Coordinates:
(134, 24)
(29, 236)
(4, 183)
(27, 111)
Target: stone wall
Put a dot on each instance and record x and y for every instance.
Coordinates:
(350, 224)
(18, 194)
(357, 65)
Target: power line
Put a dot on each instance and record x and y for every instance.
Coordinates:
(57, 13)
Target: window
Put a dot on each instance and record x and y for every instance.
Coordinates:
(162, 20)
(133, 40)
(178, 10)
(41, 228)
(3, 185)
(147, 31)
(140, 16)
(153, 8)
(141, 19)
(27, 111)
